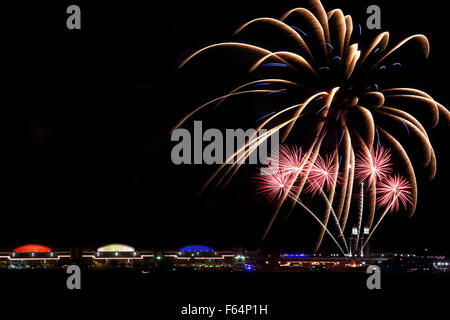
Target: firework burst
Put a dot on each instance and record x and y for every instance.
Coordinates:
(291, 160)
(394, 190)
(274, 183)
(323, 175)
(373, 167)
(333, 83)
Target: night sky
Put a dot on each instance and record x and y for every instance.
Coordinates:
(86, 151)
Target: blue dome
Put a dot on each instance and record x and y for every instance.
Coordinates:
(196, 248)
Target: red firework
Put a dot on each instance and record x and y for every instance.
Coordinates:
(274, 183)
(291, 160)
(394, 190)
(375, 166)
(323, 174)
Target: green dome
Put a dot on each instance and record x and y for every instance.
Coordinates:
(116, 247)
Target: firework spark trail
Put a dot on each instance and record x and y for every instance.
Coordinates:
(275, 182)
(253, 140)
(405, 116)
(408, 167)
(258, 82)
(393, 191)
(285, 54)
(318, 220)
(238, 163)
(265, 116)
(349, 191)
(259, 50)
(443, 112)
(430, 103)
(239, 153)
(323, 174)
(378, 223)
(300, 110)
(370, 202)
(360, 214)
(341, 232)
(242, 155)
(283, 26)
(429, 155)
(215, 100)
(269, 226)
(314, 150)
(381, 40)
(422, 39)
(235, 167)
(311, 154)
(312, 159)
(331, 195)
(345, 174)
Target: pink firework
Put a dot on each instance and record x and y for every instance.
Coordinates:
(323, 174)
(394, 190)
(274, 183)
(374, 167)
(290, 160)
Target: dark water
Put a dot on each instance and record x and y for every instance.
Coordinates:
(286, 294)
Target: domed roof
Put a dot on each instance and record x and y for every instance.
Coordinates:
(30, 248)
(116, 247)
(196, 248)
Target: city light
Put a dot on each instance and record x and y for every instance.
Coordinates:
(296, 255)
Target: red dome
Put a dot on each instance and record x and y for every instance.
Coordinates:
(32, 248)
